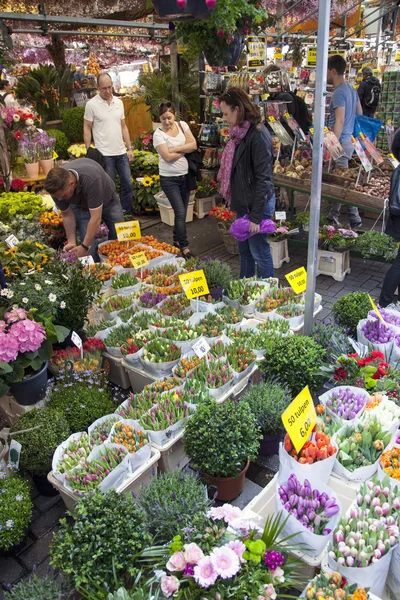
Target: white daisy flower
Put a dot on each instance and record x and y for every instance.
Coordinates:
(10, 294)
(62, 304)
(38, 287)
(48, 281)
(4, 292)
(25, 300)
(52, 297)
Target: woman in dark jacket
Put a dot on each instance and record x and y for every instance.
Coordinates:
(245, 177)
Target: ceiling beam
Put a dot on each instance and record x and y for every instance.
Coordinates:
(80, 21)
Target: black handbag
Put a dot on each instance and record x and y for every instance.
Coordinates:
(195, 162)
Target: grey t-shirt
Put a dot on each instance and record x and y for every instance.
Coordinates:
(94, 189)
(344, 95)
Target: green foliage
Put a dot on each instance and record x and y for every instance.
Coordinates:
(49, 430)
(374, 244)
(220, 438)
(332, 337)
(170, 502)
(350, 309)
(267, 402)
(218, 273)
(39, 588)
(15, 511)
(62, 143)
(45, 89)
(145, 163)
(72, 124)
(295, 361)
(103, 540)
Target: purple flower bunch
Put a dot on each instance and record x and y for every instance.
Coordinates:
(273, 560)
(345, 403)
(150, 299)
(388, 317)
(311, 508)
(377, 332)
(69, 257)
(102, 232)
(18, 335)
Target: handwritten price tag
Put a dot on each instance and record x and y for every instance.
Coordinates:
(201, 347)
(12, 241)
(298, 280)
(376, 309)
(87, 260)
(300, 418)
(280, 215)
(77, 341)
(128, 231)
(139, 260)
(194, 284)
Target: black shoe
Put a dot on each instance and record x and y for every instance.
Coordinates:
(187, 255)
(357, 226)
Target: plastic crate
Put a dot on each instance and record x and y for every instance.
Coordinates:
(202, 206)
(11, 410)
(280, 253)
(140, 477)
(137, 377)
(334, 264)
(172, 455)
(167, 214)
(117, 373)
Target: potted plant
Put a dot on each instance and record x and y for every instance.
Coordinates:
(144, 163)
(15, 514)
(205, 195)
(221, 37)
(36, 587)
(267, 401)
(28, 150)
(351, 309)
(220, 440)
(144, 192)
(225, 218)
(303, 219)
(374, 244)
(177, 10)
(218, 275)
(45, 145)
(47, 429)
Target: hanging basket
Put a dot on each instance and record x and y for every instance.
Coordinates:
(230, 242)
(194, 9)
(227, 55)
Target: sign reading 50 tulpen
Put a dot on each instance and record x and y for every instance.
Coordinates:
(300, 418)
(194, 284)
(128, 231)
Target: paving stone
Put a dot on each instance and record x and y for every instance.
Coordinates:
(324, 314)
(10, 570)
(44, 503)
(38, 552)
(28, 542)
(48, 520)
(367, 286)
(44, 568)
(1, 594)
(250, 491)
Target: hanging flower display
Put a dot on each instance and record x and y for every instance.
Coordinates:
(298, 11)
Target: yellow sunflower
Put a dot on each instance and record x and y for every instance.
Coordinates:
(30, 264)
(12, 251)
(147, 181)
(156, 178)
(40, 246)
(7, 271)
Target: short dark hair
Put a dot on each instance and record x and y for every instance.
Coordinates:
(248, 111)
(166, 106)
(4, 83)
(57, 179)
(338, 63)
(102, 75)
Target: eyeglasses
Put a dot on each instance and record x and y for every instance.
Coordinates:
(167, 104)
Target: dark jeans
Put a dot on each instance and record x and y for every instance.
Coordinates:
(112, 213)
(177, 191)
(390, 283)
(121, 165)
(256, 250)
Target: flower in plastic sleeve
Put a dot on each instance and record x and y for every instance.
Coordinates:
(192, 553)
(29, 335)
(176, 562)
(8, 347)
(52, 297)
(225, 562)
(169, 585)
(269, 592)
(204, 573)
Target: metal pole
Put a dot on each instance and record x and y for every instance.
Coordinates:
(96, 33)
(81, 22)
(317, 160)
(379, 34)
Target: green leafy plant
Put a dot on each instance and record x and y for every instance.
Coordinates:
(45, 89)
(218, 273)
(15, 511)
(220, 438)
(350, 309)
(144, 163)
(267, 401)
(141, 588)
(39, 588)
(170, 502)
(332, 337)
(48, 429)
(374, 244)
(303, 218)
(207, 188)
(62, 143)
(144, 192)
(295, 361)
(72, 124)
(104, 539)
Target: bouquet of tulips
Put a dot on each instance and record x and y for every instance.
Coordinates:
(245, 291)
(361, 444)
(390, 463)
(116, 303)
(180, 334)
(218, 350)
(210, 326)
(215, 374)
(387, 413)
(274, 326)
(169, 411)
(239, 357)
(312, 451)
(164, 385)
(186, 365)
(289, 311)
(91, 473)
(174, 306)
(325, 422)
(138, 404)
(278, 296)
(126, 435)
(74, 454)
(123, 280)
(376, 332)
(150, 299)
(160, 351)
(100, 432)
(333, 586)
(230, 315)
(376, 499)
(194, 392)
(346, 403)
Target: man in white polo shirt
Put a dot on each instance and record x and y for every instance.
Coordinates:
(105, 119)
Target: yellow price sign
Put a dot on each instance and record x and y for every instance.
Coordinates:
(298, 280)
(300, 418)
(139, 260)
(194, 284)
(286, 115)
(312, 56)
(272, 119)
(375, 308)
(128, 231)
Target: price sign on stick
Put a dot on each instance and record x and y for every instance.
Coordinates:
(394, 162)
(201, 347)
(139, 260)
(280, 215)
(194, 284)
(376, 309)
(128, 231)
(87, 260)
(298, 280)
(300, 418)
(77, 341)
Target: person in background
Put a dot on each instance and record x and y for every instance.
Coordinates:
(6, 97)
(245, 178)
(392, 278)
(86, 195)
(344, 106)
(104, 118)
(172, 141)
(369, 92)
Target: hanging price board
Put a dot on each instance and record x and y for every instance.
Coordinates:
(376, 309)
(194, 284)
(312, 56)
(298, 280)
(12, 241)
(300, 418)
(139, 260)
(128, 231)
(257, 51)
(366, 163)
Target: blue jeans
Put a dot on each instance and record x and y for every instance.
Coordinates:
(112, 213)
(256, 250)
(122, 166)
(177, 191)
(352, 211)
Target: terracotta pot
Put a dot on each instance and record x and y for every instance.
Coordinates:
(32, 169)
(46, 165)
(228, 488)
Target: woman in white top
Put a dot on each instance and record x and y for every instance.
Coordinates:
(172, 141)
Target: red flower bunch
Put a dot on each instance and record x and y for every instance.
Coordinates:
(221, 213)
(92, 345)
(17, 185)
(362, 371)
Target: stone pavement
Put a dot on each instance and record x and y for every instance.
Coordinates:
(204, 241)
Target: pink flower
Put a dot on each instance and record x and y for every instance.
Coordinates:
(225, 562)
(177, 562)
(227, 512)
(238, 547)
(8, 347)
(29, 335)
(269, 591)
(3, 325)
(192, 553)
(16, 314)
(278, 574)
(204, 573)
(169, 585)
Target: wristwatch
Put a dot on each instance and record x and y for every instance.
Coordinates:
(84, 246)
